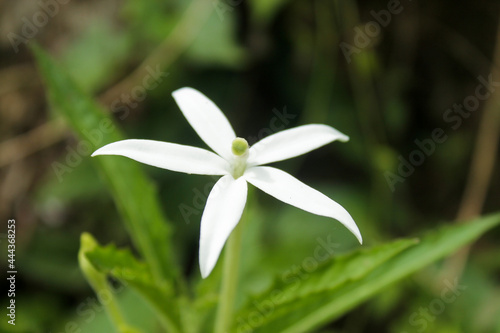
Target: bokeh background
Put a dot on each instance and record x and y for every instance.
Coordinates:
(384, 72)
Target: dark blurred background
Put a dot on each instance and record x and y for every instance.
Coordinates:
(389, 74)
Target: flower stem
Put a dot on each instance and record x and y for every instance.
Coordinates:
(224, 317)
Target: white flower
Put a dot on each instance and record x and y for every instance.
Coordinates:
(237, 164)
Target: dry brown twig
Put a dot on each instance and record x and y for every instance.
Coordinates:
(163, 56)
(481, 167)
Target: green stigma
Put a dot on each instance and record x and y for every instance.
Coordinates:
(239, 146)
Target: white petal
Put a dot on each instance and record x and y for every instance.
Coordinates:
(222, 213)
(288, 189)
(207, 120)
(293, 142)
(169, 156)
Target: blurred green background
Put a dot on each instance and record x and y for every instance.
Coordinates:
(386, 73)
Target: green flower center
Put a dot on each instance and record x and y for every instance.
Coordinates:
(239, 146)
(240, 151)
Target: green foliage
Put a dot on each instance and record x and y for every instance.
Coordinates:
(294, 303)
(122, 265)
(102, 288)
(151, 19)
(222, 50)
(347, 281)
(255, 56)
(299, 303)
(96, 56)
(134, 194)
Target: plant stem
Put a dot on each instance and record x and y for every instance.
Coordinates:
(224, 317)
(99, 283)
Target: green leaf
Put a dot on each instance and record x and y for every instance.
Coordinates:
(296, 286)
(347, 281)
(98, 281)
(122, 265)
(133, 193)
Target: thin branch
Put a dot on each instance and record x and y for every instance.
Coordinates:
(482, 165)
(23, 145)
(163, 56)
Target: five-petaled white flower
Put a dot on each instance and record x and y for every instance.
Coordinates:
(237, 164)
